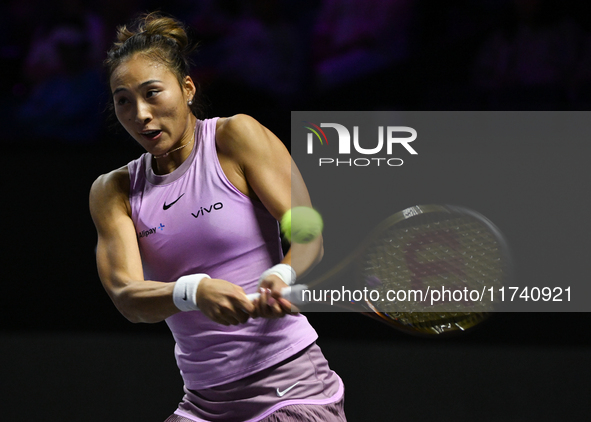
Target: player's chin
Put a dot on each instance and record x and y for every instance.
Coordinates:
(155, 147)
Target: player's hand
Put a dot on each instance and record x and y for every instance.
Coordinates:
(224, 302)
(271, 304)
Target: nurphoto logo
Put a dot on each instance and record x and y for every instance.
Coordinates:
(385, 137)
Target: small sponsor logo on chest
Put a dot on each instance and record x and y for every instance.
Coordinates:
(151, 231)
(204, 211)
(146, 233)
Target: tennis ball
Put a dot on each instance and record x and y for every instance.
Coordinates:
(307, 224)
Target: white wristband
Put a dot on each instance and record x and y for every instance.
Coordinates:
(283, 271)
(184, 294)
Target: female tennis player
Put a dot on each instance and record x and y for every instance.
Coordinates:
(190, 227)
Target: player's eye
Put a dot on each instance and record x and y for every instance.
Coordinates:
(151, 93)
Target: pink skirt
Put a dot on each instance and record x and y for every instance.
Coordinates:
(301, 388)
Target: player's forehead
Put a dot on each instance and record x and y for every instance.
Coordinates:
(136, 71)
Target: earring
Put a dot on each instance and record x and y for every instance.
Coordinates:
(190, 102)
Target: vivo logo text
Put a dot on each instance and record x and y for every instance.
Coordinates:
(213, 207)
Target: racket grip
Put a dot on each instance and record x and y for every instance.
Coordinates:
(292, 293)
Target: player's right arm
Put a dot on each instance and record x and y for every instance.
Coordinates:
(120, 267)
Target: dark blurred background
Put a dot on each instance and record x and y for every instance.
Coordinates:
(66, 352)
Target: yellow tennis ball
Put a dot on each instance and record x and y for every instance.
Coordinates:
(301, 224)
(286, 225)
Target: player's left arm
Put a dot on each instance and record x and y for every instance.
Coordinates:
(260, 166)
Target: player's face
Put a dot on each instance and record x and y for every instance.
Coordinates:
(151, 104)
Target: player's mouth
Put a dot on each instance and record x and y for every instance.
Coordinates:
(151, 135)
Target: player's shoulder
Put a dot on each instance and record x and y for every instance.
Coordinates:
(236, 123)
(241, 133)
(114, 180)
(110, 186)
(236, 128)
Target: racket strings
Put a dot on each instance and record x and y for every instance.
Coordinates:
(435, 251)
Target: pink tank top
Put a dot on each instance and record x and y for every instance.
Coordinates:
(194, 220)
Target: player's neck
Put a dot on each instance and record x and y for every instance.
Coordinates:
(169, 162)
(173, 160)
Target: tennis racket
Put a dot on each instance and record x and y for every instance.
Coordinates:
(428, 269)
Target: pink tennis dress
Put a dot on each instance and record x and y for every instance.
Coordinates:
(194, 220)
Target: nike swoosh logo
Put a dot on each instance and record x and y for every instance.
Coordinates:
(167, 206)
(284, 392)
